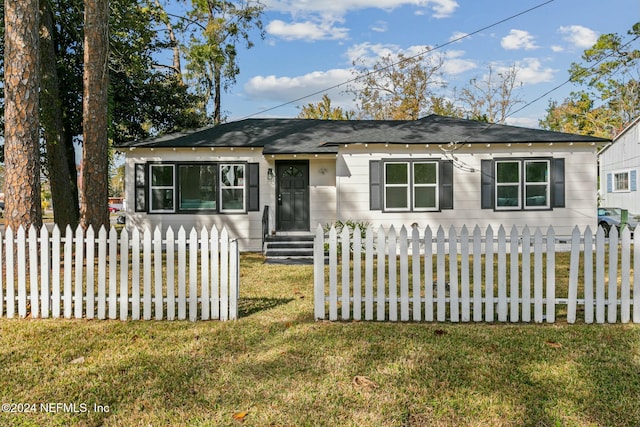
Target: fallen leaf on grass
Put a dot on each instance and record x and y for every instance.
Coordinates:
(440, 332)
(240, 416)
(78, 361)
(364, 382)
(553, 344)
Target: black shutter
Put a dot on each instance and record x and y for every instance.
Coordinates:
(446, 184)
(375, 185)
(557, 182)
(140, 187)
(487, 189)
(253, 199)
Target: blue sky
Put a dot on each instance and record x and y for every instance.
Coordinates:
(310, 46)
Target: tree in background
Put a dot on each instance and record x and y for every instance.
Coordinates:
(609, 73)
(398, 87)
(216, 28)
(325, 111)
(491, 98)
(95, 144)
(22, 126)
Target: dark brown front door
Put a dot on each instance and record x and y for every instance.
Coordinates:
(292, 193)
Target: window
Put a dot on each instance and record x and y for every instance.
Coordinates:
(162, 188)
(522, 184)
(197, 187)
(411, 185)
(232, 188)
(621, 181)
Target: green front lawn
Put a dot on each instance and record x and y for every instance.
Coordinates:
(277, 366)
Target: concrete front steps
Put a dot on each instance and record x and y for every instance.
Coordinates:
(289, 249)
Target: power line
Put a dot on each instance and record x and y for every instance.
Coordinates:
(429, 50)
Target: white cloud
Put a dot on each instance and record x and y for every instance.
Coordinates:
(338, 8)
(306, 31)
(527, 122)
(455, 64)
(285, 89)
(579, 36)
(557, 49)
(458, 36)
(531, 71)
(518, 39)
(380, 27)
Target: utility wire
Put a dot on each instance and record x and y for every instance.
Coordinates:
(428, 50)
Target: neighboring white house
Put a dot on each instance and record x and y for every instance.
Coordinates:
(289, 175)
(619, 166)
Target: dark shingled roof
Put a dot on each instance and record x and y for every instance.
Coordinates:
(304, 136)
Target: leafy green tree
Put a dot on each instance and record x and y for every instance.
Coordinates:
(219, 26)
(323, 110)
(577, 114)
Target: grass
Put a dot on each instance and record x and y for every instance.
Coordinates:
(277, 366)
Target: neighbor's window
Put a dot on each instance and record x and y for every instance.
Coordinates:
(198, 187)
(162, 188)
(621, 181)
(232, 188)
(507, 185)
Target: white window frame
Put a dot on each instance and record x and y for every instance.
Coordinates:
(407, 185)
(162, 187)
(412, 183)
(614, 185)
(508, 184)
(547, 183)
(222, 186)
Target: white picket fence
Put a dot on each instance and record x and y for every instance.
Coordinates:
(130, 275)
(475, 277)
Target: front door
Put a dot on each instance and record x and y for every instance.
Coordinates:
(292, 196)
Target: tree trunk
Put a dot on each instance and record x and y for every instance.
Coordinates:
(217, 82)
(21, 134)
(64, 187)
(95, 164)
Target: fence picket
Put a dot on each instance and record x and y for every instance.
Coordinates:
(526, 275)
(588, 275)
(33, 273)
(477, 274)
(234, 279)
(636, 276)
(625, 273)
(612, 293)
(489, 313)
(537, 280)
(416, 305)
(380, 259)
(224, 274)
(158, 302)
(454, 307)
(428, 274)
(45, 273)
(11, 297)
(514, 291)
(68, 270)
(345, 294)
(215, 273)
(22, 273)
(79, 292)
(465, 301)
(182, 269)
(441, 286)
(333, 274)
(404, 275)
(55, 271)
(318, 275)
(393, 274)
(171, 275)
(113, 273)
(357, 272)
(146, 275)
(124, 275)
(193, 275)
(600, 273)
(90, 274)
(573, 276)
(368, 274)
(135, 274)
(205, 262)
(551, 276)
(502, 275)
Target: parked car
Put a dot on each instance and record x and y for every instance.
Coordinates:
(612, 217)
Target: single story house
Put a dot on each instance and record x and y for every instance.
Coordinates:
(286, 176)
(619, 166)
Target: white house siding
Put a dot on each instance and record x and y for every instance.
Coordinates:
(580, 186)
(246, 227)
(622, 156)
